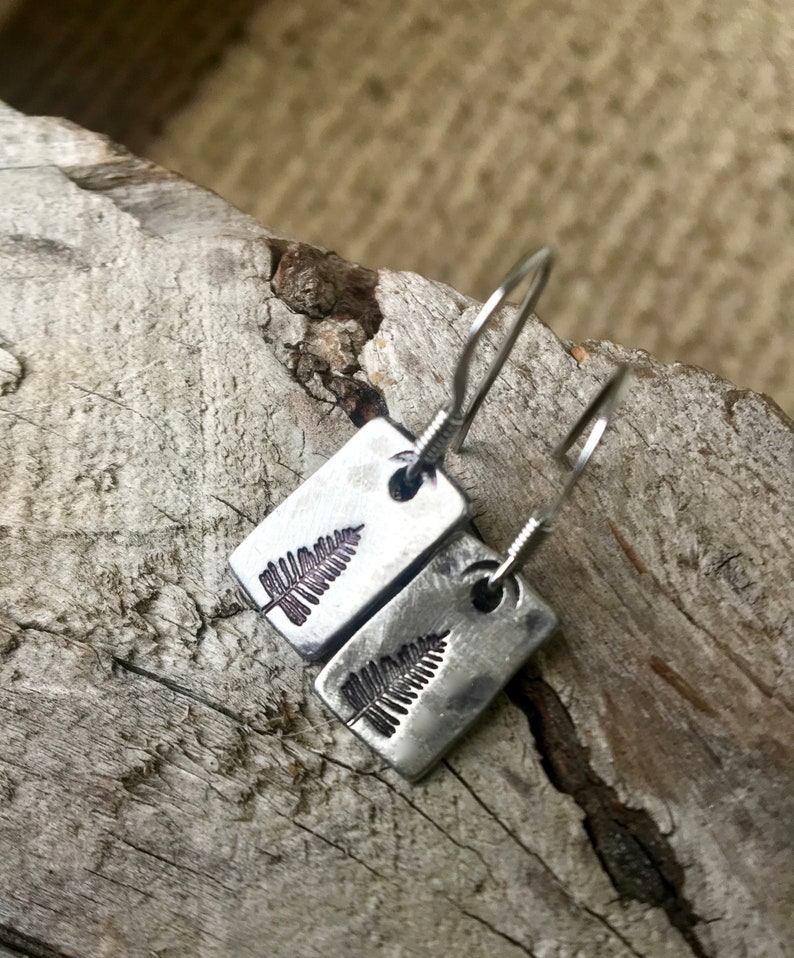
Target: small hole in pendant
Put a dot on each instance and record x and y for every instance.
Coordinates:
(484, 598)
(400, 488)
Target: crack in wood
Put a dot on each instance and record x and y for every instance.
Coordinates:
(178, 689)
(668, 674)
(495, 931)
(491, 814)
(629, 844)
(452, 901)
(121, 884)
(435, 824)
(345, 852)
(18, 943)
(503, 825)
(398, 793)
(180, 866)
(234, 508)
(538, 858)
(121, 405)
(628, 549)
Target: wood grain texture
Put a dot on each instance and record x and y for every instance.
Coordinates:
(168, 783)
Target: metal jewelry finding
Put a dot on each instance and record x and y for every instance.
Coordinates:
(602, 408)
(450, 425)
(413, 678)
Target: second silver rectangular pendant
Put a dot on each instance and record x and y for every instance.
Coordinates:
(421, 670)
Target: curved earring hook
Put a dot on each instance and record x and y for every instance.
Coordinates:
(540, 264)
(450, 424)
(602, 408)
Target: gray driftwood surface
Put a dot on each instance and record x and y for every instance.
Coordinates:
(169, 786)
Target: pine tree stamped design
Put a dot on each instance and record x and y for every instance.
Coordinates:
(291, 583)
(383, 691)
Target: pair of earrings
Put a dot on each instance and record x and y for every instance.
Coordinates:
(373, 550)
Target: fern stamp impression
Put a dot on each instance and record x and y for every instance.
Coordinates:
(293, 583)
(342, 544)
(420, 671)
(382, 691)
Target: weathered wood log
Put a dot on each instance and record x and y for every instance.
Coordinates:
(169, 785)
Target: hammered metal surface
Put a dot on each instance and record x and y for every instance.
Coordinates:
(340, 545)
(422, 669)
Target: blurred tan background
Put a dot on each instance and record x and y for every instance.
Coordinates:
(650, 142)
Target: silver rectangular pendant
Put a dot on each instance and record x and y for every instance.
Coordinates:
(422, 669)
(341, 545)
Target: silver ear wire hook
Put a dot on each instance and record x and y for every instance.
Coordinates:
(450, 425)
(602, 408)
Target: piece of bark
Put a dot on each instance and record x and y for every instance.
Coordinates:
(169, 785)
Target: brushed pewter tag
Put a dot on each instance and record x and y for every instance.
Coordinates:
(341, 544)
(421, 670)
